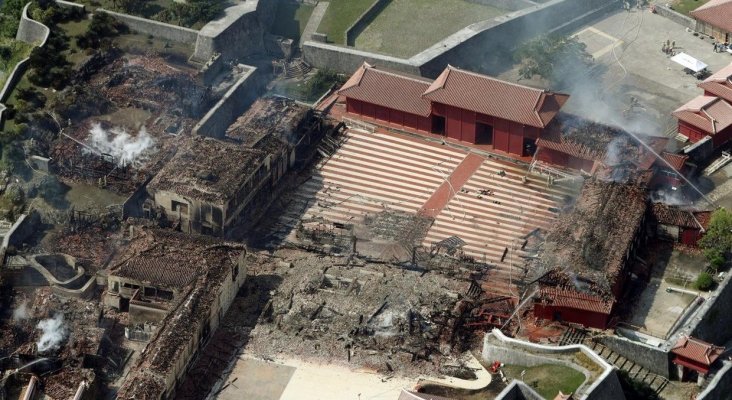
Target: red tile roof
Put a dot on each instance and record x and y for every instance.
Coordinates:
(490, 96)
(558, 297)
(671, 215)
(388, 89)
(717, 13)
(720, 83)
(709, 113)
(697, 350)
(676, 161)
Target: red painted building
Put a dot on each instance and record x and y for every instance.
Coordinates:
(706, 116)
(683, 226)
(460, 105)
(711, 113)
(695, 355)
(558, 304)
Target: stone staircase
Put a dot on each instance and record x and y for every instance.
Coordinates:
(296, 68)
(636, 372)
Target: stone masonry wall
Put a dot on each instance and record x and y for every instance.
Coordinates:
(239, 33)
(675, 16)
(345, 60)
(481, 47)
(231, 106)
(485, 46)
(715, 318)
(651, 358)
(157, 29)
(720, 386)
(510, 5)
(30, 31)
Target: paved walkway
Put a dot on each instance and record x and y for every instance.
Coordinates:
(314, 21)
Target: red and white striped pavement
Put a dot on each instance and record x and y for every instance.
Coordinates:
(490, 223)
(373, 172)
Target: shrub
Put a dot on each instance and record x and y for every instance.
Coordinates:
(704, 281)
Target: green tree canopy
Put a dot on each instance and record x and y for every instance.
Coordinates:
(554, 58)
(717, 240)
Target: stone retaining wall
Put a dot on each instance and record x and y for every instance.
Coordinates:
(676, 16)
(345, 60)
(232, 105)
(157, 29)
(239, 33)
(364, 20)
(651, 358)
(29, 31)
(605, 387)
(713, 319)
(720, 386)
(481, 47)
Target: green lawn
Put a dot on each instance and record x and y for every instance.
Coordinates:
(406, 27)
(291, 19)
(18, 51)
(685, 6)
(547, 379)
(339, 16)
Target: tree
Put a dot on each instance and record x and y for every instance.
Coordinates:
(717, 240)
(554, 58)
(10, 11)
(704, 281)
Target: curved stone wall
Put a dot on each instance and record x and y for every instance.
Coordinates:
(29, 31)
(605, 387)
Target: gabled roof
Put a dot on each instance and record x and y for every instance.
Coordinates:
(388, 89)
(720, 83)
(709, 113)
(410, 395)
(490, 96)
(671, 215)
(697, 350)
(676, 161)
(717, 13)
(560, 297)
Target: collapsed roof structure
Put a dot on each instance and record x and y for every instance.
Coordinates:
(582, 265)
(218, 270)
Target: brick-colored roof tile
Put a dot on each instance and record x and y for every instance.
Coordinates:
(697, 350)
(388, 89)
(494, 97)
(717, 13)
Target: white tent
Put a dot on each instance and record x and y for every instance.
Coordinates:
(689, 62)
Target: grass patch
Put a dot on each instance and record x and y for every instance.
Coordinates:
(687, 6)
(547, 379)
(406, 27)
(74, 54)
(291, 19)
(340, 15)
(16, 51)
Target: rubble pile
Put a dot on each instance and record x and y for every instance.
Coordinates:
(144, 92)
(378, 316)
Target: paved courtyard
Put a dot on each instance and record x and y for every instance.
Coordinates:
(629, 62)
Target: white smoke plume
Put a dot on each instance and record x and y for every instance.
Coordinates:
(116, 141)
(54, 332)
(21, 312)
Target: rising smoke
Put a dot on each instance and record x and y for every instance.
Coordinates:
(21, 312)
(125, 148)
(54, 332)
